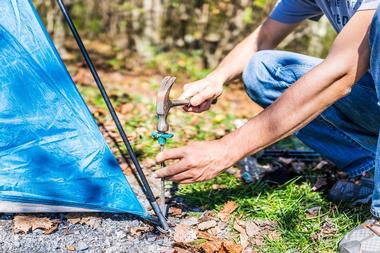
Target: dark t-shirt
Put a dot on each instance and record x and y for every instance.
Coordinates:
(338, 12)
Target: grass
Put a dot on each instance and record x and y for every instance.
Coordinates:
(286, 204)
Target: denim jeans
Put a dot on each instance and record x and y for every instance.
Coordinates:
(347, 132)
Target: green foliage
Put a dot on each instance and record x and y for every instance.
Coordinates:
(175, 62)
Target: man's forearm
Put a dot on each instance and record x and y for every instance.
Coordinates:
(348, 60)
(294, 109)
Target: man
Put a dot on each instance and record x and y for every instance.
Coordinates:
(331, 104)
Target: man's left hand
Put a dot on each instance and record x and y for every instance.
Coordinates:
(199, 161)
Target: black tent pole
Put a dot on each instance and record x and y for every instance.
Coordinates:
(148, 190)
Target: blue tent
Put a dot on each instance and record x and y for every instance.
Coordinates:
(52, 154)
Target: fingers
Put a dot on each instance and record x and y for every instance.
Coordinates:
(171, 170)
(199, 98)
(198, 109)
(170, 154)
(180, 177)
(189, 90)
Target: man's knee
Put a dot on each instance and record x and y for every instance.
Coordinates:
(256, 76)
(374, 31)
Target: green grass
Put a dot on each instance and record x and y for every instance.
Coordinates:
(286, 204)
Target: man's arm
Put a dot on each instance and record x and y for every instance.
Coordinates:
(267, 36)
(347, 61)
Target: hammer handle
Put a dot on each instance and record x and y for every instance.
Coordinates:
(182, 102)
(179, 102)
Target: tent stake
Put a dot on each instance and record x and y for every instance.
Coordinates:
(147, 190)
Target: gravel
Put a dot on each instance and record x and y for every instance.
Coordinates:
(113, 235)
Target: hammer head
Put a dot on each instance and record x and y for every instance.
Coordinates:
(164, 103)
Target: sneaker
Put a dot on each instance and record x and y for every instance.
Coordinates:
(365, 238)
(353, 191)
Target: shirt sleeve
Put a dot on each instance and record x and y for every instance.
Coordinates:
(369, 5)
(295, 11)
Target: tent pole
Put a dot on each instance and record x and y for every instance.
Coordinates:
(148, 190)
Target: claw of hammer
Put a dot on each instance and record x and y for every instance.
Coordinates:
(164, 104)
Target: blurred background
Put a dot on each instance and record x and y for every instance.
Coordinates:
(165, 33)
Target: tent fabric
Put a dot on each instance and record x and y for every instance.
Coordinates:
(51, 149)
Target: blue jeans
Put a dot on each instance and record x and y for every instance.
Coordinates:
(347, 132)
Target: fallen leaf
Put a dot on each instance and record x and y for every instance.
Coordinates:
(231, 247)
(25, 224)
(180, 250)
(175, 211)
(191, 221)
(207, 225)
(74, 220)
(210, 247)
(286, 161)
(244, 240)
(252, 229)
(184, 233)
(206, 236)
(70, 248)
(227, 210)
(206, 216)
(126, 108)
(314, 211)
(138, 230)
(93, 222)
(321, 182)
(320, 165)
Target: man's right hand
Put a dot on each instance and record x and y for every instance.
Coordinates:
(202, 93)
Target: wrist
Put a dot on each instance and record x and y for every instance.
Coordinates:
(231, 151)
(217, 77)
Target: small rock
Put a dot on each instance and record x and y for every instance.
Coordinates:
(151, 237)
(120, 234)
(207, 225)
(82, 246)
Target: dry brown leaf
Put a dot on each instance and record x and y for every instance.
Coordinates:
(175, 211)
(206, 216)
(207, 225)
(180, 250)
(206, 236)
(139, 230)
(321, 182)
(73, 220)
(231, 247)
(180, 247)
(227, 210)
(184, 233)
(252, 229)
(238, 226)
(126, 108)
(25, 224)
(93, 222)
(210, 247)
(70, 248)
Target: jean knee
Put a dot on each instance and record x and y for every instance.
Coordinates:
(374, 30)
(255, 77)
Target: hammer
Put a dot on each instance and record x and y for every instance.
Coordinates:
(164, 104)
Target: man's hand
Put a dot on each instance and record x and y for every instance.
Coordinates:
(202, 93)
(200, 161)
